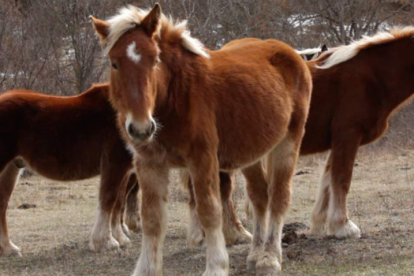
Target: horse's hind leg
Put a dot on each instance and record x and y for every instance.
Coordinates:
(233, 229)
(8, 179)
(344, 150)
(111, 181)
(195, 233)
(118, 230)
(320, 209)
(257, 192)
(281, 163)
(132, 219)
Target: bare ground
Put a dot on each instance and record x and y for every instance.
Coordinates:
(54, 235)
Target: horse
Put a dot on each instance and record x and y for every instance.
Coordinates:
(182, 106)
(355, 92)
(357, 88)
(65, 139)
(312, 53)
(233, 229)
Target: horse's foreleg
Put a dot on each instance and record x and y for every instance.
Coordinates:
(320, 209)
(8, 179)
(343, 158)
(204, 173)
(153, 180)
(233, 229)
(257, 192)
(132, 219)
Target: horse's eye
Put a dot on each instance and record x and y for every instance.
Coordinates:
(114, 66)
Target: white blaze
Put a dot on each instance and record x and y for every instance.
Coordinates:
(132, 52)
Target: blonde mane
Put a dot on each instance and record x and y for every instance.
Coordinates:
(346, 52)
(129, 17)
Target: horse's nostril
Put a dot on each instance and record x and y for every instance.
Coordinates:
(131, 131)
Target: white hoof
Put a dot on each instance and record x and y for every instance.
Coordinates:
(122, 239)
(237, 236)
(10, 250)
(349, 230)
(268, 264)
(216, 272)
(106, 244)
(196, 236)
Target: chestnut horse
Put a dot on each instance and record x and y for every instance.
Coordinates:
(234, 232)
(355, 92)
(182, 106)
(65, 139)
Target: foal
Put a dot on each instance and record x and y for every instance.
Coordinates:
(180, 105)
(65, 138)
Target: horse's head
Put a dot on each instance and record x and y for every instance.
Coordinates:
(129, 39)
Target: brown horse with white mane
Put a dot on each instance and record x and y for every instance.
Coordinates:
(357, 88)
(65, 138)
(182, 106)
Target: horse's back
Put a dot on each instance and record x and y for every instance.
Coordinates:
(58, 131)
(262, 85)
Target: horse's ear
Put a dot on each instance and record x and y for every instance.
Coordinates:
(152, 21)
(324, 48)
(101, 27)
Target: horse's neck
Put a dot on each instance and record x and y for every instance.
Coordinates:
(398, 92)
(175, 83)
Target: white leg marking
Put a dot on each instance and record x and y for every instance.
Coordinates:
(233, 229)
(195, 233)
(338, 223)
(217, 257)
(320, 209)
(118, 232)
(101, 238)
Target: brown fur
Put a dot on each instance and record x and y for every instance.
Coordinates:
(350, 106)
(224, 113)
(63, 138)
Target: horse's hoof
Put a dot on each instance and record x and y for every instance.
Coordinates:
(123, 240)
(239, 237)
(196, 237)
(216, 272)
(133, 223)
(268, 265)
(108, 244)
(10, 250)
(349, 230)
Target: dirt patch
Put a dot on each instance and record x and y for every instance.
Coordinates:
(54, 236)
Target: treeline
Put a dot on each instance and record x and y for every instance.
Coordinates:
(50, 46)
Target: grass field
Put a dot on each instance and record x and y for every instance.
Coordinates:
(54, 235)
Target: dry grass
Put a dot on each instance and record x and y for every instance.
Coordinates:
(54, 235)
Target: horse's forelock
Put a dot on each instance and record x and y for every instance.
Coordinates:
(129, 17)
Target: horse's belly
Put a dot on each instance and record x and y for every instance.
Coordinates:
(246, 144)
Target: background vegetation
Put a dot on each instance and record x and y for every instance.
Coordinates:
(50, 45)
